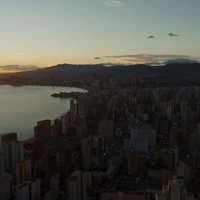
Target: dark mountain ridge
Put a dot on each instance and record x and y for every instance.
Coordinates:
(71, 73)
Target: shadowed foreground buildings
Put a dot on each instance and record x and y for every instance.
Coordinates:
(133, 166)
(118, 141)
(2, 178)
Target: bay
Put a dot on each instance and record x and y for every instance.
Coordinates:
(22, 106)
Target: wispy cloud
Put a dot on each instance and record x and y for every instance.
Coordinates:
(151, 37)
(173, 35)
(21, 54)
(151, 59)
(17, 68)
(114, 3)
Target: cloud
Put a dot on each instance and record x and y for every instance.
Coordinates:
(173, 35)
(114, 3)
(21, 54)
(17, 68)
(151, 59)
(151, 37)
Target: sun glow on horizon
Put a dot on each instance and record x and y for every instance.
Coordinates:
(48, 32)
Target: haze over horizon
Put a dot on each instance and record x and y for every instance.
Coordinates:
(48, 32)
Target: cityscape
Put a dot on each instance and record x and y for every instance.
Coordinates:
(118, 141)
(121, 121)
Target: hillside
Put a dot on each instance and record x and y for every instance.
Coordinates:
(170, 73)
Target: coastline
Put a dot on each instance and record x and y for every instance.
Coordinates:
(31, 139)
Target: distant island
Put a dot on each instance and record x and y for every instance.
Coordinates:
(74, 95)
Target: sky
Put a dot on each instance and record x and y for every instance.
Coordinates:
(47, 32)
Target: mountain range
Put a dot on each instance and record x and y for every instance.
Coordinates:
(169, 73)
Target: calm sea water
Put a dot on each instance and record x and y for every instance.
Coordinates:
(21, 107)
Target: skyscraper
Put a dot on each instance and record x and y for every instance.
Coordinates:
(133, 163)
(8, 137)
(86, 153)
(75, 185)
(106, 127)
(23, 171)
(173, 135)
(12, 149)
(42, 131)
(28, 191)
(176, 190)
(86, 182)
(173, 159)
(2, 178)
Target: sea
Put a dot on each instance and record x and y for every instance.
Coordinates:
(22, 106)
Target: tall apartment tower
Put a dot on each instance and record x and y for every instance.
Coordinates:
(23, 171)
(56, 129)
(86, 182)
(173, 137)
(176, 190)
(2, 178)
(12, 149)
(75, 186)
(28, 191)
(42, 131)
(132, 163)
(86, 154)
(8, 137)
(106, 127)
(73, 110)
(173, 159)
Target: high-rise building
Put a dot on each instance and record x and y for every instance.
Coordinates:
(8, 137)
(142, 134)
(75, 186)
(106, 127)
(28, 191)
(122, 195)
(56, 129)
(2, 178)
(13, 152)
(42, 131)
(82, 105)
(176, 190)
(35, 190)
(55, 186)
(23, 192)
(9, 187)
(173, 159)
(133, 163)
(86, 153)
(170, 110)
(161, 196)
(99, 143)
(73, 110)
(64, 124)
(86, 182)
(173, 139)
(197, 180)
(23, 171)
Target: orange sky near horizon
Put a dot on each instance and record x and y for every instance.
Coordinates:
(48, 32)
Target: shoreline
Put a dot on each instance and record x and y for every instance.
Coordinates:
(49, 85)
(31, 139)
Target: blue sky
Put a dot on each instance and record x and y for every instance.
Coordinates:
(47, 32)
